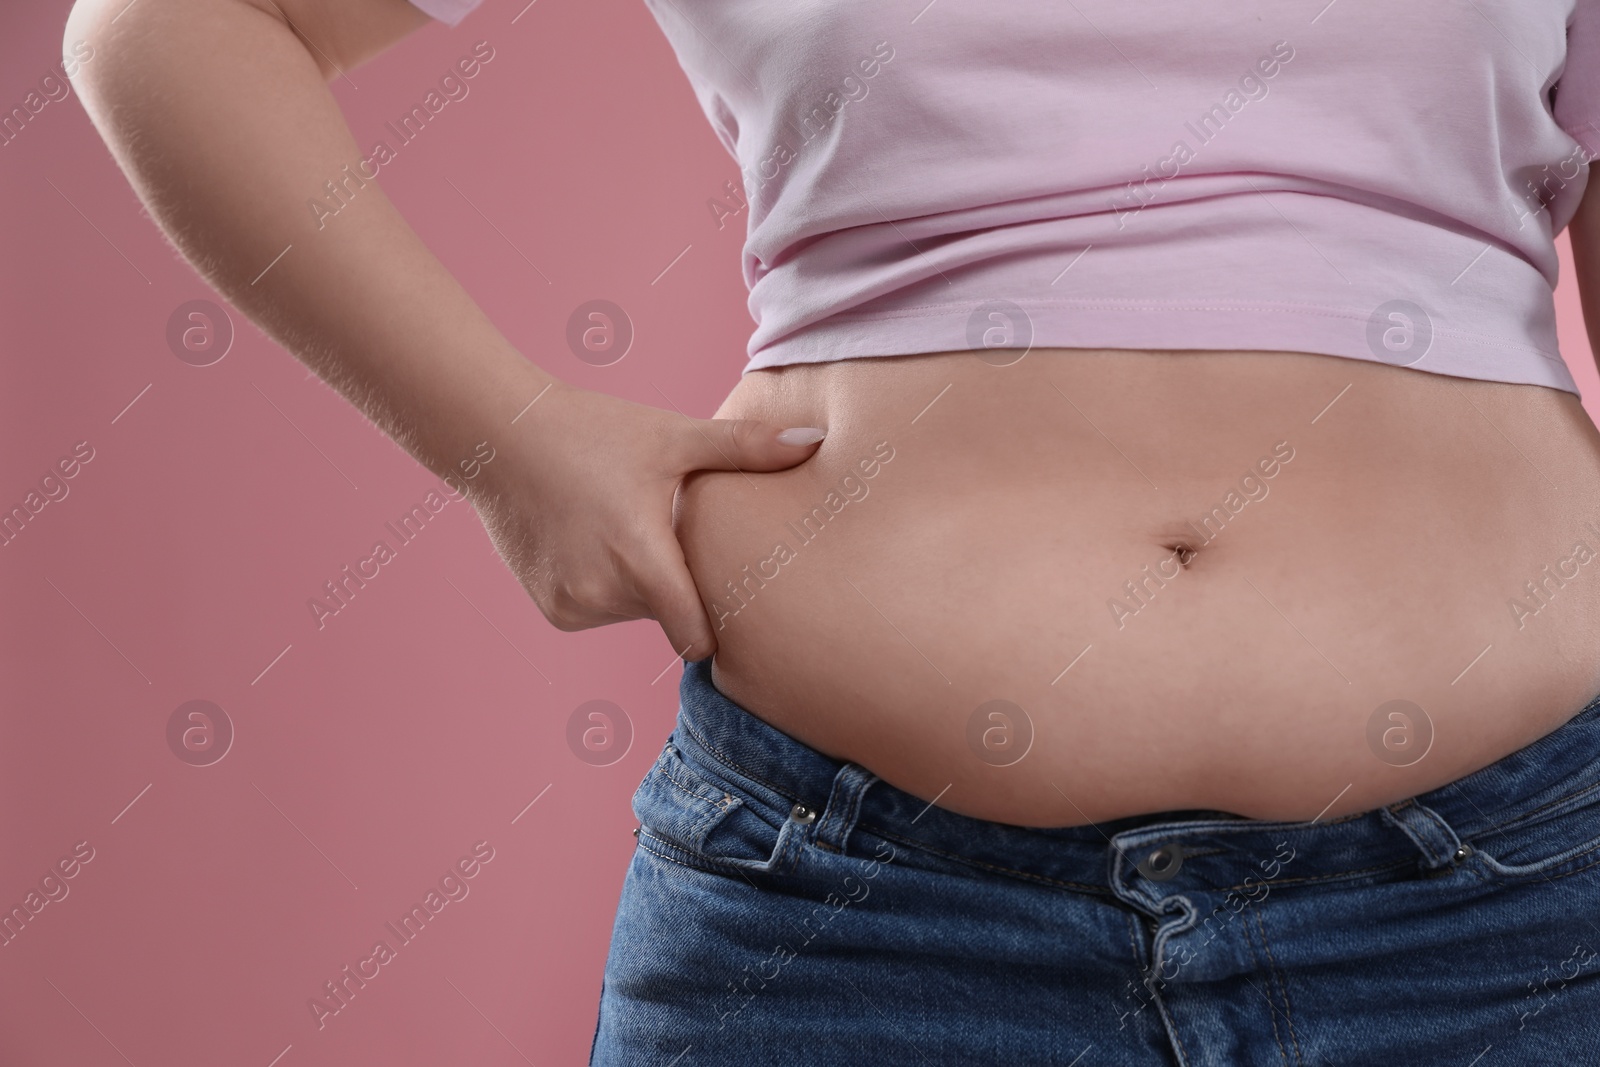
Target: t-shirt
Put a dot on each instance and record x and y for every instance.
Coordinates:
(1372, 181)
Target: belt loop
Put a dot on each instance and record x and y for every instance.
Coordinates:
(1428, 831)
(844, 806)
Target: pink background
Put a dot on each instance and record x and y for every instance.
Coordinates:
(371, 755)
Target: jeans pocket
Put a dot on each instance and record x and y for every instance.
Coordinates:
(1553, 841)
(690, 817)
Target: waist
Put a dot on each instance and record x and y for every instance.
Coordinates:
(1498, 806)
(1095, 584)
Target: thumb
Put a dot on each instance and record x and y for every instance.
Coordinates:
(748, 444)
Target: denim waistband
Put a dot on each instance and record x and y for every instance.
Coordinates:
(1554, 773)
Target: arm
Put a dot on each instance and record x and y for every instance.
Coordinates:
(1584, 232)
(220, 114)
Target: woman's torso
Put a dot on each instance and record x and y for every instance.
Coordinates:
(1201, 576)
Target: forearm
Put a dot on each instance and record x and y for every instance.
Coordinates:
(222, 120)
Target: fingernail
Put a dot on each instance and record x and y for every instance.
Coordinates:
(801, 435)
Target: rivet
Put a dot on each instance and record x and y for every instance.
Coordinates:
(635, 831)
(1463, 852)
(1162, 864)
(803, 814)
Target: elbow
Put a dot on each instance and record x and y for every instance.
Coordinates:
(76, 50)
(85, 27)
(102, 39)
(102, 45)
(88, 53)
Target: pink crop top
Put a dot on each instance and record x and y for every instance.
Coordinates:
(1378, 182)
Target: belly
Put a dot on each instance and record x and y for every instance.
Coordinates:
(1098, 584)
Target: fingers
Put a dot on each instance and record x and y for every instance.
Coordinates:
(747, 444)
(670, 594)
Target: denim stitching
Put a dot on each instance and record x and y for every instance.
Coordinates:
(1168, 1023)
(858, 795)
(1576, 870)
(832, 823)
(667, 769)
(1283, 988)
(1253, 826)
(852, 812)
(1138, 966)
(1255, 967)
(728, 763)
(1524, 817)
(1338, 877)
(720, 807)
(1538, 872)
(702, 826)
(697, 862)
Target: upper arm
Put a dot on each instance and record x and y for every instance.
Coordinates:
(1584, 233)
(1576, 110)
(338, 36)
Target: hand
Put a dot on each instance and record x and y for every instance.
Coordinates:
(578, 502)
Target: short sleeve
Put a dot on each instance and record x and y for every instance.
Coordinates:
(1577, 91)
(723, 121)
(449, 12)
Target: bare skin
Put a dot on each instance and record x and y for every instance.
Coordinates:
(1002, 517)
(982, 560)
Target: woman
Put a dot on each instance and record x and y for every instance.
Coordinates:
(1182, 645)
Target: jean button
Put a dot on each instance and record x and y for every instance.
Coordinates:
(1162, 863)
(803, 815)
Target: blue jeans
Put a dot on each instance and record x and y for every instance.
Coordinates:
(785, 908)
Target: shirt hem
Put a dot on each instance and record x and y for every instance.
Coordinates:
(1167, 326)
